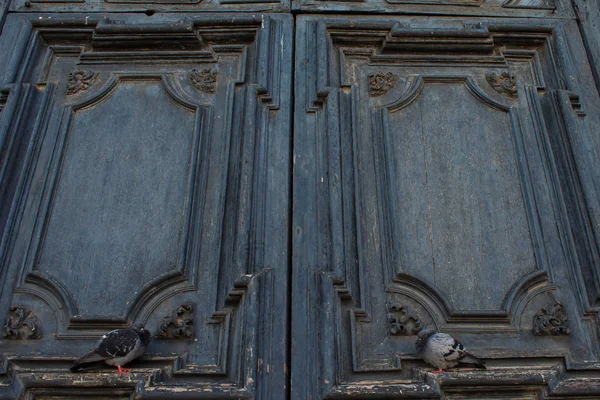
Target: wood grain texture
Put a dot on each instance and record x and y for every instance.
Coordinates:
(445, 172)
(500, 8)
(588, 17)
(148, 7)
(131, 192)
(442, 195)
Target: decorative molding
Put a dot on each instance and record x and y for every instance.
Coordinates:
(227, 319)
(182, 278)
(403, 321)
(21, 323)
(178, 325)
(258, 68)
(457, 38)
(80, 80)
(504, 83)
(112, 34)
(380, 84)
(551, 320)
(205, 80)
(355, 157)
(531, 4)
(572, 98)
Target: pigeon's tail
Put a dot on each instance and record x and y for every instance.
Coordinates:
(92, 360)
(469, 360)
(87, 366)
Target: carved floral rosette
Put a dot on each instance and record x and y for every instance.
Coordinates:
(551, 320)
(80, 80)
(21, 323)
(204, 80)
(504, 83)
(178, 325)
(380, 84)
(403, 321)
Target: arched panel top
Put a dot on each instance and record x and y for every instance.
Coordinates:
(167, 80)
(419, 82)
(57, 292)
(413, 92)
(91, 97)
(424, 294)
(172, 87)
(480, 95)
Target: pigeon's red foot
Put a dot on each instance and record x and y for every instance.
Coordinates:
(437, 371)
(123, 371)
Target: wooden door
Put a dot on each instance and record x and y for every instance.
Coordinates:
(145, 179)
(441, 162)
(445, 177)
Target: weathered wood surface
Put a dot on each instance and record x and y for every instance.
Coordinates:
(438, 169)
(588, 15)
(446, 174)
(504, 8)
(146, 166)
(150, 7)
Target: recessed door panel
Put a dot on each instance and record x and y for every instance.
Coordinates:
(432, 161)
(146, 181)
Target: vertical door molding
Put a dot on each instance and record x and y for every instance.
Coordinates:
(133, 192)
(452, 191)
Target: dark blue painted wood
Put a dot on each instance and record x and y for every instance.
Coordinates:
(438, 183)
(445, 172)
(145, 177)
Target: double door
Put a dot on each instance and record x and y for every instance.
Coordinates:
(286, 198)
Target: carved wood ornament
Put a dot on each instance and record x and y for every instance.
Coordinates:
(80, 80)
(138, 69)
(205, 80)
(504, 83)
(551, 320)
(403, 321)
(380, 84)
(21, 323)
(178, 325)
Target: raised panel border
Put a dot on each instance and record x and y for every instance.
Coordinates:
(326, 122)
(185, 275)
(243, 311)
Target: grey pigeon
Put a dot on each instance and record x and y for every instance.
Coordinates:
(443, 351)
(116, 348)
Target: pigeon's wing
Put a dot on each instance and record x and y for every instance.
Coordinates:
(450, 348)
(115, 344)
(455, 351)
(91, 360)
(469, 359)
(118, 343)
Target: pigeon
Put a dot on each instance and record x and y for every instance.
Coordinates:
(116, 348)
(443, 351)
